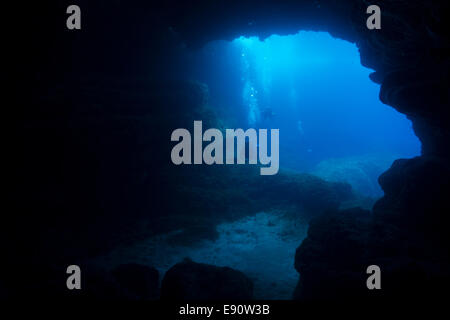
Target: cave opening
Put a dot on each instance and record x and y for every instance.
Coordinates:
(314, 89)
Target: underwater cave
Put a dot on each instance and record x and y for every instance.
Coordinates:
(313, 88)
(363, 152)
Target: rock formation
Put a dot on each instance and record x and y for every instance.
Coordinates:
(188, 280)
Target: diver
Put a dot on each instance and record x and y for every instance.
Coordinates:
(300, 128)
(268, 114)
(302, 135)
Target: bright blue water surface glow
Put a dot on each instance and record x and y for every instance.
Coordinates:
(314, 89)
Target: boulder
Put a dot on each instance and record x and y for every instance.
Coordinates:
(189, 280)
(331, 260)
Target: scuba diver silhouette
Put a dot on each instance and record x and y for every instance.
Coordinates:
(267, 114)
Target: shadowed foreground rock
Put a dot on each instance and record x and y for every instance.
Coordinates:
(189, 280)
(406, 236)
(331, 260)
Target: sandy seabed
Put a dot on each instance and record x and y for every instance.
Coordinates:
(262, 246)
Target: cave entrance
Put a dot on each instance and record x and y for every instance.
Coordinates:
(314, 89)
(332, 124)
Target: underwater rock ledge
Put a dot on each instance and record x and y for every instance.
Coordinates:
(406, 236)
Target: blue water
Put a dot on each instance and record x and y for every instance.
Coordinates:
(314, 89)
